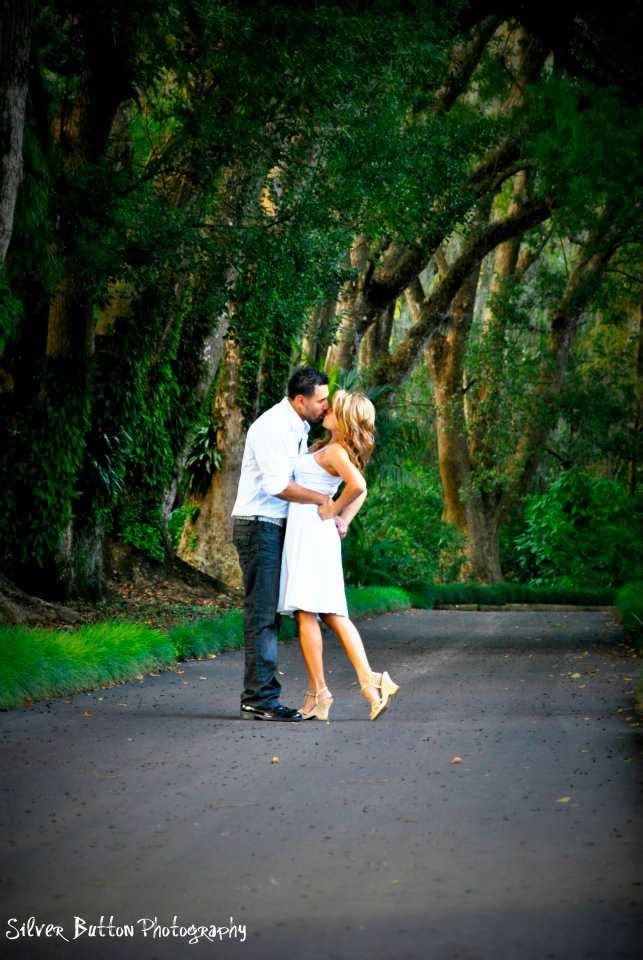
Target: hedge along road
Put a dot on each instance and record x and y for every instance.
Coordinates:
(151, 801)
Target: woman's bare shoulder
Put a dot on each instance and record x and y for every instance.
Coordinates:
(337, 456)
(335, 450)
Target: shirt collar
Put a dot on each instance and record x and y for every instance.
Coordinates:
(300, 427)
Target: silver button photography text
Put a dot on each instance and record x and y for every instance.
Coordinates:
(146, 926)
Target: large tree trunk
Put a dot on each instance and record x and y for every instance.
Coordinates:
(74, 567)
(484, 522)
(315, 339)
(16, 18)
(374, 347)
(637, 403)
(477, 515)
(206, 543)
(355, 316)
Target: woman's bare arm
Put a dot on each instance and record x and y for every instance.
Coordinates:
(350, 512)
(335, 459)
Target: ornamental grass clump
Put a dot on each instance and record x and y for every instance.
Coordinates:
(38, 663)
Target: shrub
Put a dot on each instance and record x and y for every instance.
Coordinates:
(399, 538)
(583, 530)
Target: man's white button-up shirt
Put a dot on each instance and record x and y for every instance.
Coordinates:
(273, 444)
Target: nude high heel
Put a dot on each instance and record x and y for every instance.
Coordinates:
(321, 708)
(388, 689)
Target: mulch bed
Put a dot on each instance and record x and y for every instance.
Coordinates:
(162, 604)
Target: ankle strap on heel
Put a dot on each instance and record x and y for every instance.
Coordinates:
(316, 696)
(370, 683)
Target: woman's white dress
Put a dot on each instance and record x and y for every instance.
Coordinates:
(312, 577)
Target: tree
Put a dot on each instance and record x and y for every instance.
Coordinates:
(16, 17)
(490, 441)
(154, 132)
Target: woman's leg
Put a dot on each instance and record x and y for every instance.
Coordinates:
(312, 648)
(378, 688)
(348, 635)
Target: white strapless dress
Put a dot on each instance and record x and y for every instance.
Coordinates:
(312, 577)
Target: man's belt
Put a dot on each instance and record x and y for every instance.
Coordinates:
(278, 521)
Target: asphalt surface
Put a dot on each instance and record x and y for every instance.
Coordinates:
(153, 800)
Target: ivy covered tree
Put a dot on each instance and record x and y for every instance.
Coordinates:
(186, 179)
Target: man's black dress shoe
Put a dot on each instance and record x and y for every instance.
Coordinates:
(277, 712)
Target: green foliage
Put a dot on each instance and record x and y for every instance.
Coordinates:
(573, 136)
(371, 601)
(204, 459)
(177, 521)
(11, 311)
(399, 538)
(37, 663)
(433, 596)
(594, 430)
(211, 635)
(39, 470)
(582, 530)
(629, 602)
(142, 527)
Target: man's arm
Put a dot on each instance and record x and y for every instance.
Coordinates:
(294, 493)
(275, 464)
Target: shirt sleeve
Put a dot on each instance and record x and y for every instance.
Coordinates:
(275, 453)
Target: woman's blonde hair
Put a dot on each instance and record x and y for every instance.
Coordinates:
(355, 415)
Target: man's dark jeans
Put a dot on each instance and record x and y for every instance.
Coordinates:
(259, 545)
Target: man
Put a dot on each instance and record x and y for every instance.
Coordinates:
(274, 442)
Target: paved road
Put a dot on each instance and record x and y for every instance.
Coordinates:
(364, 840)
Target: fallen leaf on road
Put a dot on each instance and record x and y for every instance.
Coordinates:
(457, 760)
(87, 713)
(275, 760)
(563, 800)
(574, 676)
(180, 671)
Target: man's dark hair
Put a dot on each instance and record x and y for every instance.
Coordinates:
(304, 380)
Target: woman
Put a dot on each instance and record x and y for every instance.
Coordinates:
(312, 580)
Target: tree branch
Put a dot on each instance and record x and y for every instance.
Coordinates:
(434, 309)
(465, 57)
